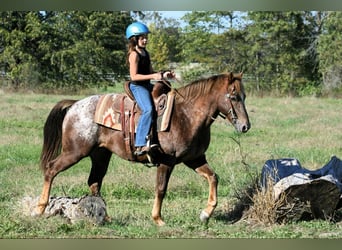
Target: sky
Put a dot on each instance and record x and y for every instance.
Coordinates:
(173, 14)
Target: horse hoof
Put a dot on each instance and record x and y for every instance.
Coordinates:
(36, 212)
(204, 216)
(159, 222)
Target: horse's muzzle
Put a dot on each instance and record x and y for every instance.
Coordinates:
(245, 128)
(242, 127)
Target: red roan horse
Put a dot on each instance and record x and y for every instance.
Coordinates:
(70, 128)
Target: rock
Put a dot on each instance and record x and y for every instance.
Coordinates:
(85, 208)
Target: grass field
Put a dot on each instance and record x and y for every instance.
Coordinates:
(308, 129)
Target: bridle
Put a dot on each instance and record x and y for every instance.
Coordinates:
(231, 110)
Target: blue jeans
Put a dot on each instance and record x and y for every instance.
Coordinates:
(142, 95)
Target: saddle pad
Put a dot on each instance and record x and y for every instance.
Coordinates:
(165, 120)
(105, 114)
(108, 111)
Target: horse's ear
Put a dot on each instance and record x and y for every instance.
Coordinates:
(240, 74)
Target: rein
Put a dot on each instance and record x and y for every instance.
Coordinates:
(174, 89)
(231, 111)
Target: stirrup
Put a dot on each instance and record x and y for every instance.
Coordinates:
(152, 150)
(142, 150)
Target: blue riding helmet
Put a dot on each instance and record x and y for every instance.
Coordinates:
(136, 29)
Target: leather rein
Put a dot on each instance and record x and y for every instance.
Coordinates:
(229, 97)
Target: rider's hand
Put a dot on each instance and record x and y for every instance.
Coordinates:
(169, 74)
(158, 76)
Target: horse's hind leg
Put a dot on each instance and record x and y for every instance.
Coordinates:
(202, 168)
(61, 163)
(100, 158)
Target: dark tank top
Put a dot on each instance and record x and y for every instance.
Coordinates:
(144, 66)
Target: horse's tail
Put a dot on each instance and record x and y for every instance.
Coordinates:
(53, 132)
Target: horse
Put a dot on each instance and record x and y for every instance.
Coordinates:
(70, 134)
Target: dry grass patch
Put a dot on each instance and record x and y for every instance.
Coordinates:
(265, 206)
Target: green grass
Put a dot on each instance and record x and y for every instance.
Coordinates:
(308, 129)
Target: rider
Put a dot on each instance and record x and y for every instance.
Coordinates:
(141, 72)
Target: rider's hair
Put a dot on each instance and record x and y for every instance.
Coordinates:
(132, 43)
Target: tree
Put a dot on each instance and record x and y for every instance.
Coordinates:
(330, 53)
(163, 42)
(66, 48)
(158, 48)
(282, 52)
(18, 46)
(213, 41)
(196, 37)
(93, 45)
(279, 44)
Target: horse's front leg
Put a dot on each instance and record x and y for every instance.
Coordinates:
(211, 177)
(162, 180)
(201, 166)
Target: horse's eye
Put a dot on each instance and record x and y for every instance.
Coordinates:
(233, 98)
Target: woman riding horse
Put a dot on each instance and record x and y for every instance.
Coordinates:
(71, 134)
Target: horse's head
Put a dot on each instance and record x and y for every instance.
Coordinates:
(232, 103)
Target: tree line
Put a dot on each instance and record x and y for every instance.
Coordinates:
(293, 52)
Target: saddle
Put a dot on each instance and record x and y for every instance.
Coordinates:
(121, 112)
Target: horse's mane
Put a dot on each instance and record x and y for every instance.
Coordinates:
(204, 86)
